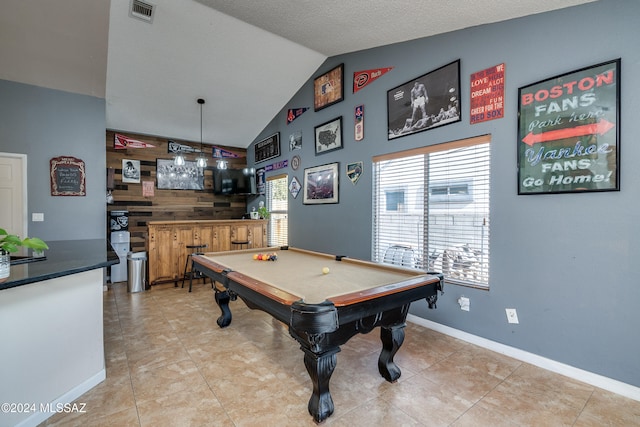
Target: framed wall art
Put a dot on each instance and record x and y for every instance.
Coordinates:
(68, 176)
(131, 171)
(426, 102)
(186, 177)
(328, 136)
(328, 89)
(294, 187)
(295, 140)
(321, 184)
(268, 148)
(569, 133)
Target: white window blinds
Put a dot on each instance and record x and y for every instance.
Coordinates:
(277, 205)
(431, 210)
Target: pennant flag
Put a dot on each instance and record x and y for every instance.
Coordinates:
(121, 142)
(221, 153)
(175, 147)
(363, 78)
(294, 113)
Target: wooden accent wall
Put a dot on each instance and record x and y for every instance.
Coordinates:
(166, 205)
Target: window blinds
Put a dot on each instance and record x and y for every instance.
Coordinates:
(277, 205)
(431, 209)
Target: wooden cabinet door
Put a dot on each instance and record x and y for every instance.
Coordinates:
(221, 238)
(161, 260)
(152, 250)
(184, 239)
(257, 238)
(239, 233)
(203, 235)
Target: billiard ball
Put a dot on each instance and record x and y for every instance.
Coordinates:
(325, 270)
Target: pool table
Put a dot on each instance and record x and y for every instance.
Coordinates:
(322, 309)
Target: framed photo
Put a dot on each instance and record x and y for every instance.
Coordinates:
(295, 141)
(294, 187)
(130, 171)
(186, 177)
(328, 136)
(569, 133)
(328, 88)
(429, 101)
(268, 148)
(321, 184)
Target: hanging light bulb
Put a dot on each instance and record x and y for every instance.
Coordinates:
(178, 160)
(201, 161)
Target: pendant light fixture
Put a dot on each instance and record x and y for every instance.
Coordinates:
(178, 160)
(201, 161)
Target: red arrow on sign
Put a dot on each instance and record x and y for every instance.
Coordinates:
(600, 128)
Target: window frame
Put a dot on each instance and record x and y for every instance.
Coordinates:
(275, 238)
(430, 241)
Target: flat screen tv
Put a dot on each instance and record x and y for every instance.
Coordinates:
(234, 181)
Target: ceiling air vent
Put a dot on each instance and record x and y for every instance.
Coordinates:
(141, 10)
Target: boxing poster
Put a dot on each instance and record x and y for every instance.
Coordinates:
(426, 102)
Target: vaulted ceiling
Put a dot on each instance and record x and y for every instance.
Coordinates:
(246, 58)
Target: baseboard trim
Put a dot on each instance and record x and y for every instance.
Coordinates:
(68, 397)
(595, 380)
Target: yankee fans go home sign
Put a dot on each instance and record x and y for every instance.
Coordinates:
(568, 132)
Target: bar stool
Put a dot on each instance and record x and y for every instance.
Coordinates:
(195, 250)
(240, 243)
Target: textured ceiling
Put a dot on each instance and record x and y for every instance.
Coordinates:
(333, 27)
(229, 52)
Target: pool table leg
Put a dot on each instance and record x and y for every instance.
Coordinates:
(392, 338)
(320, 368)
(223, 298)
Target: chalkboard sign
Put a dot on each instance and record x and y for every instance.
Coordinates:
(67, 176)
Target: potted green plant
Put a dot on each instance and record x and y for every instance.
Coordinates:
(11, 243)
(262, 210)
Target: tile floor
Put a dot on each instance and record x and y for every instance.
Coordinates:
(169, 364)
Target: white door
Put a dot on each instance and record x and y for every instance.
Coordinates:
(13, 193)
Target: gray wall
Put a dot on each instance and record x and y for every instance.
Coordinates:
(565, 261)
(45, 123)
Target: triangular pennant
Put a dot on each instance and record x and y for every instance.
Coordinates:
(363, 78)
(221, 153)
(294, 113)
(175, 147)
(122, 142)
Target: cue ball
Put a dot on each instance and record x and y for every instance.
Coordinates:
(325, 270)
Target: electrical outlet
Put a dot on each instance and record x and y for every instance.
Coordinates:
(464, 303)
(512, 315)
(37, 217)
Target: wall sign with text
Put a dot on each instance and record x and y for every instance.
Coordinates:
(569, 133)
(68, 176)
(487, 94)
(268, 148)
